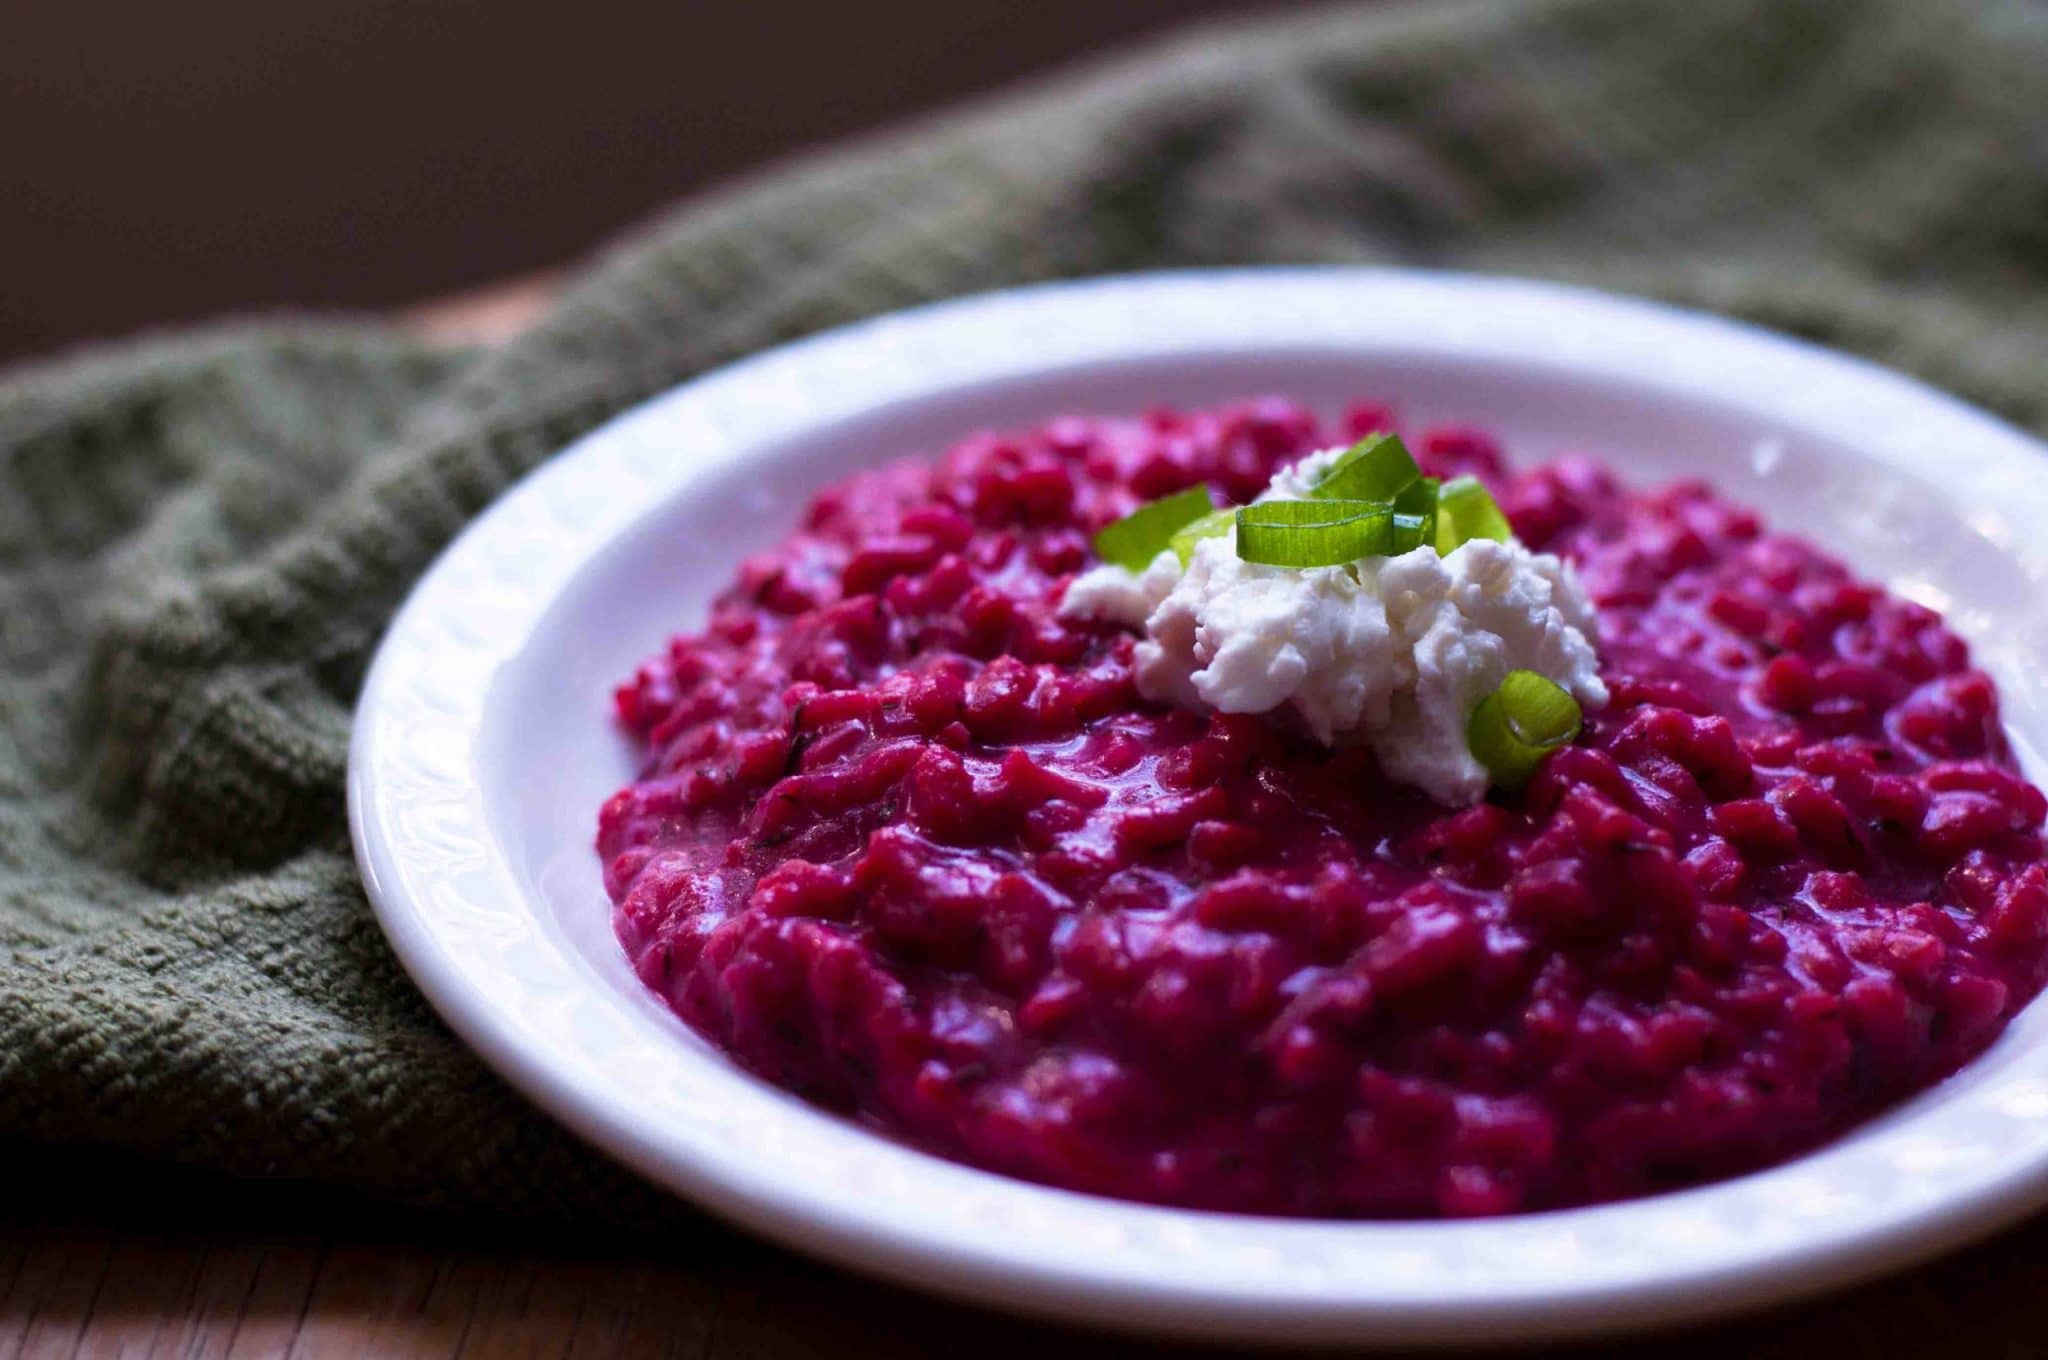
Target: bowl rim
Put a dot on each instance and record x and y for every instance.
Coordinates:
(464, 926)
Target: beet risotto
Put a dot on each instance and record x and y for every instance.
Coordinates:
(1280, 876)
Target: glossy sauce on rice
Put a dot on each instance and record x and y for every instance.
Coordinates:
(910, 844)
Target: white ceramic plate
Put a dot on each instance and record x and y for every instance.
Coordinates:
(483, 748)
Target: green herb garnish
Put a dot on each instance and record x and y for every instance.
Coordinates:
(1376, 468)
(1419, 500)
(1465, 510)
(1411, 532)
(1215, 524)
(1378, 483)
(1520, 723)
(1317, 533)
(1133, 541)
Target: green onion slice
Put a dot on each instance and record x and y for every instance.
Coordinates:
(1133, 541)
(1465, 510)
(1519, 724)
(1318, 533)
(1376, 468)
(1215, 524)
(1418, 502)
(1411, 532)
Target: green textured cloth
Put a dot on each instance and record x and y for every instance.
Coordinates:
(202, 537)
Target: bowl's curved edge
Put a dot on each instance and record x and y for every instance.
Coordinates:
(1079, 1295)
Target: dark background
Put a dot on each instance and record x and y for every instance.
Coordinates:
(163, 161)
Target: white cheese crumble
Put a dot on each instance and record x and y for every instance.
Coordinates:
(1292, 483)
(1393, 653)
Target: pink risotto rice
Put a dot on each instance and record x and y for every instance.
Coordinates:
(911, 845)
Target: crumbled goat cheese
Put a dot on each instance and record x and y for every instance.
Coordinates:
(1292, 483)
(1121, 596)
(1392, 653)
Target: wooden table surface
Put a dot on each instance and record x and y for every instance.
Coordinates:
(102, 1256)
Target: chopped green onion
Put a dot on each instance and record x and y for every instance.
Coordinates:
(1411, 532)
(1212, 525)
(1519, 724)
(1417, 502)
(1419, 497)
(1318, 533)
(1376, 468)
(1133, 541)
(1465, 510)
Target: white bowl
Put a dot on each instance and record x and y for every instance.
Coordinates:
(483, 748)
